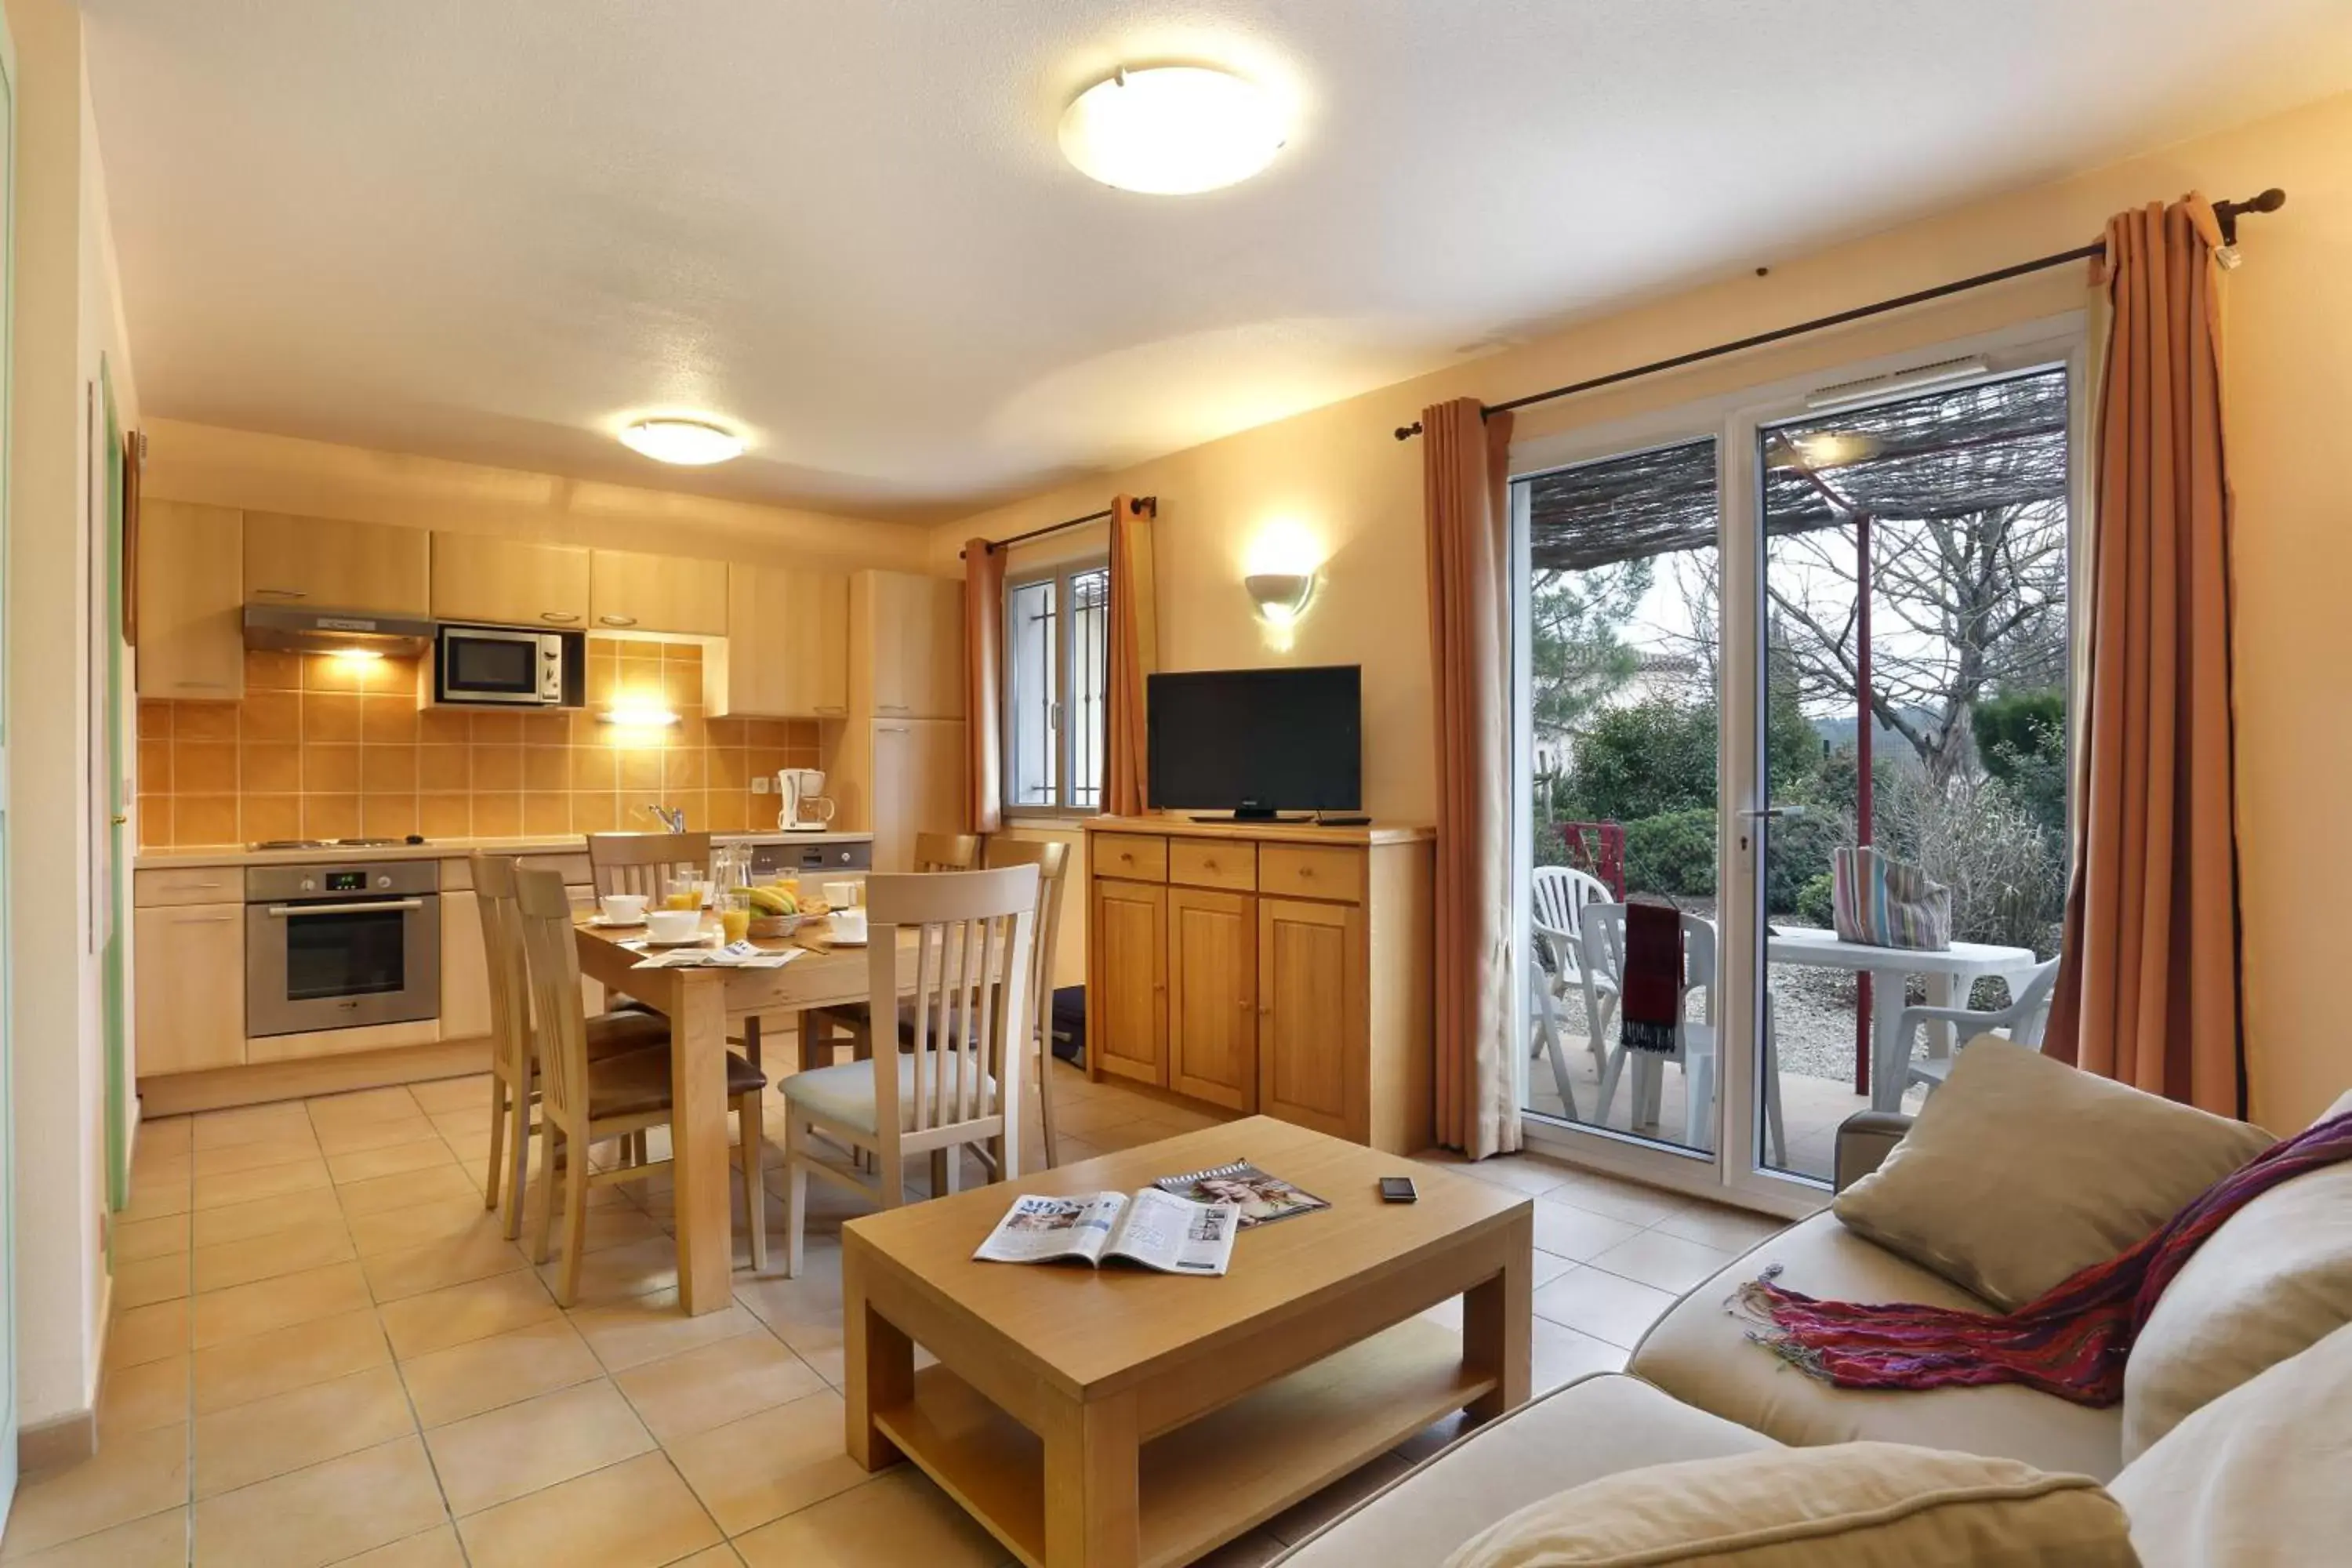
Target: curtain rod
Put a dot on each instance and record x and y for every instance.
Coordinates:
(1142, 503)
(2269, 201)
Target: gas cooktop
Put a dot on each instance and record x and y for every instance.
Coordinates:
(334, 843)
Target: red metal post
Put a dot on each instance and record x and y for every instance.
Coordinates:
(1861, 679)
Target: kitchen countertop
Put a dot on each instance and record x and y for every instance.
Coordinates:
(437, 849)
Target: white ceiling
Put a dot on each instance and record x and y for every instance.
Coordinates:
(495, 231)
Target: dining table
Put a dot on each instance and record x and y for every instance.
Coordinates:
(698, 1001)
(1947, 971)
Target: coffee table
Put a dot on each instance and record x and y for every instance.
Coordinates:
(1121, 1419)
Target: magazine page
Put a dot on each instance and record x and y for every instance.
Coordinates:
(1177, 1236)
(1039, 1230)
(1262, 1198)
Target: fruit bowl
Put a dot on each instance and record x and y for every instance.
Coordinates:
(776, 925)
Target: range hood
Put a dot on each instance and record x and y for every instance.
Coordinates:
(335, 631)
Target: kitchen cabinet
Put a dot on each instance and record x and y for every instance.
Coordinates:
(912, 782)
(324, 563)
(905, 645)
(510, 582)
(1212, 1025)
(1279, 969)
(632, 592)
(189, 1009)
(787, 653)
(191, 601)
(1127, 981)
(464, 968)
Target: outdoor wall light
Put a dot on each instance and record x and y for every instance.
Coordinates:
(1281, 597)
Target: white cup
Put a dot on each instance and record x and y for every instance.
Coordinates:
(841, 895)
(624, 908)
(673, 925)
(848, 923)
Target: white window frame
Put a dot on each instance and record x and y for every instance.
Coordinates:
(1064, 575)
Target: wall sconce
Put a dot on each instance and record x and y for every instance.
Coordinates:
(636, 718)
(1281, 597)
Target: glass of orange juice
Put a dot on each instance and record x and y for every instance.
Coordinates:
(682, 893)
(735, 913)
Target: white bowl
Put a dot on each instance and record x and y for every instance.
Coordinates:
(624, 908)
(673, 925)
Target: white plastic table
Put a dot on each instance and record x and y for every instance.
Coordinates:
(1945, 972)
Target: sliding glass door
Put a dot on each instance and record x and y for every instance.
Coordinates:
(1812, 623)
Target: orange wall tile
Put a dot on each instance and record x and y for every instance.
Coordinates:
(327, 747)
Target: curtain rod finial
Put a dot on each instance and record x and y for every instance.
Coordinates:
(1407, 432)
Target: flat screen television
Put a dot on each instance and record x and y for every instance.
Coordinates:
(1256, 741)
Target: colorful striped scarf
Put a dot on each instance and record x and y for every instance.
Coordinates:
(2070, 1341)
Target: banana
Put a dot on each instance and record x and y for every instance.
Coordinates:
(774, 902)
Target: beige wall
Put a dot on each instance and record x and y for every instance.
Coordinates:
(1337, 475)
(318, 479)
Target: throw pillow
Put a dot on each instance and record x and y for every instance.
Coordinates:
(2273, 1281)
(2022, 1171)
(2256, 1479)
(1845, 1505)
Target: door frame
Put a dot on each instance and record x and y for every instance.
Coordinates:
(1732, 1170)
(8, 1364)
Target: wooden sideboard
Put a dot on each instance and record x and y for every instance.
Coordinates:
(1272, 968)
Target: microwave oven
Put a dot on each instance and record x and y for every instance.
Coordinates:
(510, 666)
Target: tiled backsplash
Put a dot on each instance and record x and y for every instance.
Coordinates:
(329, 748)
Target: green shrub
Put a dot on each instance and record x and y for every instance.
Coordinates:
(1816, 903)
(1672, 853)
(1797, 853)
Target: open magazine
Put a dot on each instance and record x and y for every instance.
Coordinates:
(1153, 1228)
(1262, 1199)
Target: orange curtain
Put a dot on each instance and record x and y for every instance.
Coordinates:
(2149, 990)
(1133, 654)
(1465, 467)
(983, 667)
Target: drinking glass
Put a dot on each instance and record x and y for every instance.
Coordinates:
(735, 913)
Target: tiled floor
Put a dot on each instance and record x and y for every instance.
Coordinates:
(324, 1352)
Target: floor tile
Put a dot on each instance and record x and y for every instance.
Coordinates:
(147, 1334)
(1618, 1199)
(270, 1304)
(248, 1443)
(1734, 1230)
(1520, 1172)
(1558, 1354)
(250, 1124)
(472, 1091)
(252, 1156)
(262, 1216)
(418, 1325)
(162, 1169)
(1295, 1523)
(260, 1365)
(899, 1517)
(1578, 1234)
(507, 1453)
(226, 1263)
(766, 1465)
(352, 1137)
(151, 1280)
(267, 1181)
(140, 1397)
(1667, 1262)
(415, 1270)
(363, 1105)
(435, 1548)
(637, 1514)
(617, 1273)
(682, 1395)
(324, 1514)
(1254, 1550)
(482, 1375)
(805, 1310)
(1602, 1305)
(403, 1188)
(128, 1479)
(158, 1541)
(167, 1135)
(135, 1239)
(648, 1328)
(446, 1219)
(154, 1200)
(394, 1159)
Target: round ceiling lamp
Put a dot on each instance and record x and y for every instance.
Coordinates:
(1172, 130)
(690, 442)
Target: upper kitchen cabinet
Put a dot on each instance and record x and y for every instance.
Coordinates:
(632, 593)
(509, 582)
(191, 594)
(787, 654)
(322, 563)
(905, 645)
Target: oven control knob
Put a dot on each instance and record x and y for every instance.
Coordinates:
(383, 881)
(309, 886)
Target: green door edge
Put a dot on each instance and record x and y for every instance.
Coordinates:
(118, 1085)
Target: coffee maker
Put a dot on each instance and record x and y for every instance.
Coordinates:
(805, 810)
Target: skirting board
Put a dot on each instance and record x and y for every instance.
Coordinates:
(217, 1089)
(70, 1438)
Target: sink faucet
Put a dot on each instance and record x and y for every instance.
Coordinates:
(672, 817)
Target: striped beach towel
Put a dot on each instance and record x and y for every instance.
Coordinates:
(2072, 1341)
(1882, 902)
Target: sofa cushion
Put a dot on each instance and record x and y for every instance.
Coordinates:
(1700, 1352)
(2261, 1478)
(1592, 1427)
(2274, 1279)
(1850, 1505)
(2022, 1171)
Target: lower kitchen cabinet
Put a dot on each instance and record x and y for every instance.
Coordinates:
(190, 1006)
(465, 969)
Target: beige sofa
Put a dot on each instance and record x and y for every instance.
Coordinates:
(2228, 1486)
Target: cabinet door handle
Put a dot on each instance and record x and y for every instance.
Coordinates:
(281, 593)
(890, 708)
(831, 708)
(561, 617)
(891, 730)
(602, 620)
(201, 685)
(202, 919)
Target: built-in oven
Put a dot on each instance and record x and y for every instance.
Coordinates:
(335, 946)
(511, 666)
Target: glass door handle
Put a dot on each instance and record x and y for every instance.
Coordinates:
(1774, 811)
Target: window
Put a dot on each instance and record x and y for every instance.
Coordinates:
(1057, 637)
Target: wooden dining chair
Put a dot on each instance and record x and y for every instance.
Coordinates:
(584, 1099)
(849, 1024)
(959, 1081)
(514, 1064)
(947, 851)
(642, 862)
(1051, 860)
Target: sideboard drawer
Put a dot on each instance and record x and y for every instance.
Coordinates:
(1133, 856)
(188, 885)
(1214, 863)
(1306, 871)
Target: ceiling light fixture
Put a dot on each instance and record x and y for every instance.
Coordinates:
(690, 442)
(1172, 130)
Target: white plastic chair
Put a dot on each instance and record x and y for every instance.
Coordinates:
(2024, 1021)
(1561, 895)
